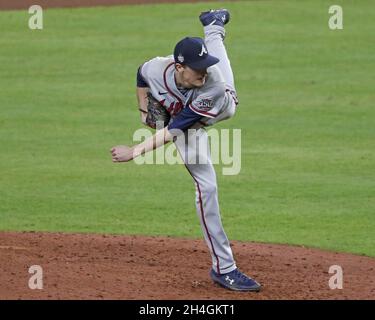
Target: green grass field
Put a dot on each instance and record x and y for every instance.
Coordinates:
(307, 117)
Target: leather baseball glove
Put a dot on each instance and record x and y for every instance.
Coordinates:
(156, 113)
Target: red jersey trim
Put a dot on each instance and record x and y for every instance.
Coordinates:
(202, 113)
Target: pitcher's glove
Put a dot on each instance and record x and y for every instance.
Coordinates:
(156, 113)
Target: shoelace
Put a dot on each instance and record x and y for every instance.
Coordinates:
(241, 276)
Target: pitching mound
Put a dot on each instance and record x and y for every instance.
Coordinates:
(88, 266)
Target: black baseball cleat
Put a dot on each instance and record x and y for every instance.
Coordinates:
(215, 17)
(235, 280)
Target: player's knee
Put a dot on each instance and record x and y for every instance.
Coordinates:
(210, 188)
(230, 112)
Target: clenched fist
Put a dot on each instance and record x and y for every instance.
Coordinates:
(122, 153)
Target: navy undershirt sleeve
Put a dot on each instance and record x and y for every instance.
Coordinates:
(141, 82)
(185, 119)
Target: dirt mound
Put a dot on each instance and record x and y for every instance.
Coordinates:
(89, 266)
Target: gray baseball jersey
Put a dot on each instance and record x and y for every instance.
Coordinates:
(209, 101)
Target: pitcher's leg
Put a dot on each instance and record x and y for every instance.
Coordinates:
(214, 35)
(214, 39)
(207, 203)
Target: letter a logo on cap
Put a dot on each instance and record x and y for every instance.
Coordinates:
(203, 51)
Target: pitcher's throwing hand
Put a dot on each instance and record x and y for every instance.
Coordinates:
(122, 154)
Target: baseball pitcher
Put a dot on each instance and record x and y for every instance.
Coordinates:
(193, 88)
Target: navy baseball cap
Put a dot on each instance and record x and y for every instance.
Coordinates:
(192, 51)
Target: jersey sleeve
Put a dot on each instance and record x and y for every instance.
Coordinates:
(141, 81)
(151, 68)
(209, 101)
(184, 120)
